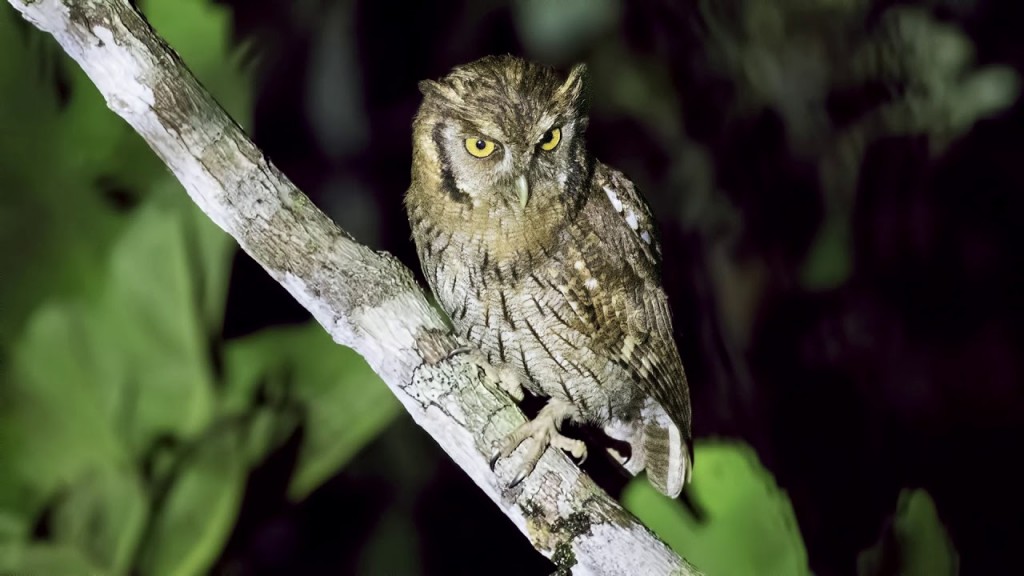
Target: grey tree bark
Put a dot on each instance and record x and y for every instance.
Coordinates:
(366, 300)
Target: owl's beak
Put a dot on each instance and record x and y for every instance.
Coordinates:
(523, 189)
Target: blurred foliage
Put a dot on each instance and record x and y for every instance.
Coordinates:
(557, 30)
(802, 59)
(35, 558)
(741, 524)
(50, 148)
(394, 531)
(914, 543)
(746, 525)
(344, 403)
(126, 441)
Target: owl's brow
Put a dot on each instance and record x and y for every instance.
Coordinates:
(487, 131)
(549, 120)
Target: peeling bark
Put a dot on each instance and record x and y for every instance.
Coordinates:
(366, 300)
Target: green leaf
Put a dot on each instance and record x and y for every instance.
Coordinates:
(13, 528)
(208, 251)
(749, 527)
(211, 266)
(56, 220)
(346, 403)
(94, 382)
(195, 520)
(151, 315)
(103, 515)
(55, 225)
(119, 356)
(54, 426)
(914, 544)
(45, 560)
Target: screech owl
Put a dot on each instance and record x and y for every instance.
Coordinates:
(547, 261)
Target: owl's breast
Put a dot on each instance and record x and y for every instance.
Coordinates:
(523, 318)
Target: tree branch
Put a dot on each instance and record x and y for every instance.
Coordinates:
(366, 300)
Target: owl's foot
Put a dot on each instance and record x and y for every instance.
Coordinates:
(543, 430)
(503, 377)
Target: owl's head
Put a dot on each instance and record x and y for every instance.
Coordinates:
(504, 133)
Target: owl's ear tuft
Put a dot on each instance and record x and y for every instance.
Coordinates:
(575, 87)
(435, 89)
(429, 87)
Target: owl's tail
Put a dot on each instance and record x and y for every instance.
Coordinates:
(668, 451)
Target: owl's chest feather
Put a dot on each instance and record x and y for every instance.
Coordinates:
(496, 293)
(525, 313)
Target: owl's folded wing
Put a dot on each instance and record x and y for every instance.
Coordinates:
(633, 318)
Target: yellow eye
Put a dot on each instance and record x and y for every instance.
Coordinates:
(479, 147)
(551, 139)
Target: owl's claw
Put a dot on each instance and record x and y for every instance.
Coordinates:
(543, 431)
(518, 478)
(460, 350)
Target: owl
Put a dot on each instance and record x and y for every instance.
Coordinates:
(548, 264)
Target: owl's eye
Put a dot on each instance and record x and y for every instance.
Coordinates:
(551, 139)
(479, 147)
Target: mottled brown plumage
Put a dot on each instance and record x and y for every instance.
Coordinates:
(547, 261)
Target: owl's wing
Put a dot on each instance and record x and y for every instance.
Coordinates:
(631, 315)
(640, 233)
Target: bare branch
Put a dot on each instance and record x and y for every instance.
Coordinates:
(366, 300)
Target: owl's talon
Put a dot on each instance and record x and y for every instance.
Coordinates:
(460, 350)
(494, 459)
(532, 457)
(518, 478)
(543, 432)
